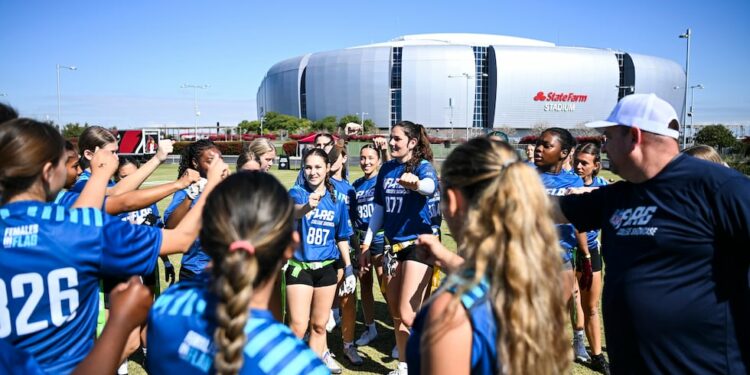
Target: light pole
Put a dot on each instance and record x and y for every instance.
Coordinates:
(686, 36)
(57, 68)
(362, 119)
(468, 77)
(690, 114)
(469, 100)
(262, 115)
(195, 105)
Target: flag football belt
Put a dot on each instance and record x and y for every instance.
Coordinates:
(395, 248)
(298, 266)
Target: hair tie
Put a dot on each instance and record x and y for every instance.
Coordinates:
(244, 245)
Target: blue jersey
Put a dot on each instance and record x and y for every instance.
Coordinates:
(16, 361)
(194, 260)
(676, 297)
(143, 216)
(66, 198)
(365, 196)
(344, 192)
(52, 260)
(557, 185)
(406, 213)
(320, 228)
(592, 236)
(181, 328)
(83, 178)
(484, 359)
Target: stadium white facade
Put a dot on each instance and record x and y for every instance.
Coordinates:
(460, 80)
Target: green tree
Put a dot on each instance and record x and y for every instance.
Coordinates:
(249, 126)
(717, 136)
(370, 126)
(73, 130)
(275, 121)
(327, 124)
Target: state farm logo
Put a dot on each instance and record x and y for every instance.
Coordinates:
(559, 97)
(564, 100)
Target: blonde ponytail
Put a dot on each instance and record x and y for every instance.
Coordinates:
(509, 237)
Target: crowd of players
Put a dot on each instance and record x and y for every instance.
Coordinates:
(267, 273)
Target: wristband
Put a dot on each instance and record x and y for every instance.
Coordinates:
(588, 256)
(348, 271)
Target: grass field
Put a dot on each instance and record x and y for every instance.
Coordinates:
(376, 357)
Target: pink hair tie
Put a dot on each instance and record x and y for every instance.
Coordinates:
(244, 245)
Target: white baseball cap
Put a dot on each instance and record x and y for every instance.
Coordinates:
(647, 112)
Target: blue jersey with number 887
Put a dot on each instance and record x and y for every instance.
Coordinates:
(320, 228)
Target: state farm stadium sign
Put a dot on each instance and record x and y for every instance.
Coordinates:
(560, 101)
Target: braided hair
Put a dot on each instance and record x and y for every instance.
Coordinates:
(422, 151)
(191, 155)
(248, 224)
(326, 180)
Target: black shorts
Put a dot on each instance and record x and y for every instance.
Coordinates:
(414, 253)
(108, 283)
(596, 259)
(319, 278)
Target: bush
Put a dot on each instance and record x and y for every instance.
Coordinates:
(741, 166)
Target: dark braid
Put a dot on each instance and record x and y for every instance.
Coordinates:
(191, 155)
(422, 151)
(326, 180)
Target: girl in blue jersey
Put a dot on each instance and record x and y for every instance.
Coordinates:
(401, 207)
(587, 163)
(501, 309)
(323, 225)
(53, 257)
(198, 156)
(219, 321)
(553, 148)
(369, 161)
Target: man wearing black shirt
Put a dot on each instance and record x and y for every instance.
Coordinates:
(676, 242)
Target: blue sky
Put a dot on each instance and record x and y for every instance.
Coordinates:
(132, 56)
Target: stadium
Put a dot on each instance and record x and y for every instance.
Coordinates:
(466, 81)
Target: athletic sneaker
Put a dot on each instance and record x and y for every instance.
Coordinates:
(599, 363)
(331, 363)
(579, 349)
(123, 368)
(352, 355)
(394, 352)
(367, 336)
(402, 369)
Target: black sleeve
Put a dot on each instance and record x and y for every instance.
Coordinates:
(586, 211)
(733, 211)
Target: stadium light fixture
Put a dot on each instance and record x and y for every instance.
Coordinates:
(57, 68)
